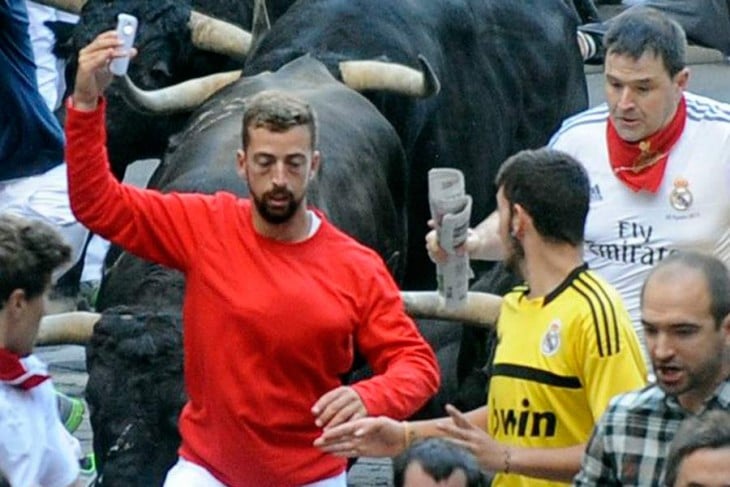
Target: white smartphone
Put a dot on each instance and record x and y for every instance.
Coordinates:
(126, 30)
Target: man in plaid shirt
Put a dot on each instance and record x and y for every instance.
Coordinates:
(685, 310)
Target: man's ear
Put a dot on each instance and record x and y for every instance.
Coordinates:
(16, 302)
(725, 326)
(241, 163)
(316, 161)
(682, 78)
(519, 221)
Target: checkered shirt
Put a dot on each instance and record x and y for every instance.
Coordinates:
(630, 441)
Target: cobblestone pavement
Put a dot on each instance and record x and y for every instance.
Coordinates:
(67, 365)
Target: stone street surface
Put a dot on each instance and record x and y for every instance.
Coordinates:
(67, 365)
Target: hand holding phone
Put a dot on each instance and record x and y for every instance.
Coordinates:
(126, 30)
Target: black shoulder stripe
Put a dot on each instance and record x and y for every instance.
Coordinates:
(602, 311)
(536, 375)
(595, 318)
(601, 289)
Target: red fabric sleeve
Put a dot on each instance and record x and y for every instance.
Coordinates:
(406, 371)
(147, 223)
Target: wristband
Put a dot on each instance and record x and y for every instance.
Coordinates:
(507, 460)
(408, 433)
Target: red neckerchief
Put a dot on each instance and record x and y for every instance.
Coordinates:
(14, 373)
(641, 165)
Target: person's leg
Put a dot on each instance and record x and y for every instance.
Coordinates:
(70, 410)
(336, 481)
(93, 268)
(45, 197)
(188, 474)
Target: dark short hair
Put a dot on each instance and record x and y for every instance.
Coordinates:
(278, 112)
(439, 458)
(643, 29)
(552, 187)
(715, 272)
(709, 430)
(30, 251)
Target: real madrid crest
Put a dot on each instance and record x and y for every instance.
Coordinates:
(551, 340)
(681, 197)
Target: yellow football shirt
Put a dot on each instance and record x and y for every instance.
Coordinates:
(559, 360)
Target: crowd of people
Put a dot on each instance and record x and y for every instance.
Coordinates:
(613, 356)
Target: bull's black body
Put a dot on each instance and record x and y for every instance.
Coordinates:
(510, 72)
(135, 393)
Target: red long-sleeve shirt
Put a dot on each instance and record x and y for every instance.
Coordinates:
(269, 326)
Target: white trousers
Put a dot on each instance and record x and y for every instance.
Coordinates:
(189, 474)
(45, 197)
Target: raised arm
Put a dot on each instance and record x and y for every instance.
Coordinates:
(145, 222)
(93, 75)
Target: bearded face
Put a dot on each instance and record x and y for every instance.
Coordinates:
(277, 205)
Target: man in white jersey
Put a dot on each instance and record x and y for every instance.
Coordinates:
(658, 158)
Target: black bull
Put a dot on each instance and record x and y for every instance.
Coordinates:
(510, 72)
(134, 359)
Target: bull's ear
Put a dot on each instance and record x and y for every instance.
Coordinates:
(261, 23)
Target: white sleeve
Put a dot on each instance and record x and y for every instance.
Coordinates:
(16, 461)
(60, 466)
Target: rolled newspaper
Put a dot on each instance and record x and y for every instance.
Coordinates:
(451, 210)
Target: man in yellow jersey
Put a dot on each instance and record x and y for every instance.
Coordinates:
(566, 344)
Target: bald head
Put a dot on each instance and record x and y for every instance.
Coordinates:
(690, 269)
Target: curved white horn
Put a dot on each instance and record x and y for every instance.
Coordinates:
(215, 35)
(75, 327)
(185, 96)
(398, 78)
(481, 309)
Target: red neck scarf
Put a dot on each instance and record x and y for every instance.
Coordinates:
(641, 165)
(14, 373)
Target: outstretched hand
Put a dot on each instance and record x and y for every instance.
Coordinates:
(489, 452)
(92, 75)
(372, 437)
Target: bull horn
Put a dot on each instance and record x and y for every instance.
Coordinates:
(73, 328)
(71, 6)
(481, 309)
(185, 96)
(215, 35)
(380, 75)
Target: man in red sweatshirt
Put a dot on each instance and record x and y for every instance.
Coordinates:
(276, 301)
